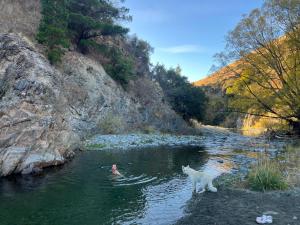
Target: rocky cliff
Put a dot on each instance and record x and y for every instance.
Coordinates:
(20, 16)
(46, 112)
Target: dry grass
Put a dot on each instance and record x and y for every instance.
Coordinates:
(276, 174)
(222, 78)
(20, 16)
(291, 164)
(111, 124)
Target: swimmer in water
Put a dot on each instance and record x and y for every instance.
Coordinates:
(115, 171)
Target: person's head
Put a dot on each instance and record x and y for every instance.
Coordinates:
(114, 167)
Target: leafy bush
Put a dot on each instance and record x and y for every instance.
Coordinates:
(149, 129)
(111, 125)
(120, 67)
(187, 100)
(54, 55)
(266, 175)
(140, 50)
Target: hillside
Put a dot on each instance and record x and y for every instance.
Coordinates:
(221, 78)
(217, 112)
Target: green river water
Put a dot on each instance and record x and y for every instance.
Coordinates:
(153, 191)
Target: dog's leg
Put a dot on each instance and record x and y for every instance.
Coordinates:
(202, 190)
(194, 186)
(211, 187)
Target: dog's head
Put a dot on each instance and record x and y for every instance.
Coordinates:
(185, 169)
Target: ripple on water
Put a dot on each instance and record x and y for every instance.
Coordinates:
(132, 180)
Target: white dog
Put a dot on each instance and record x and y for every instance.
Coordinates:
(204, 179)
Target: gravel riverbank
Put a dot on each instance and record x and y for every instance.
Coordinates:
(135, 141)
(241, 207)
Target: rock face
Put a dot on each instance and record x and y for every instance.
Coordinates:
(21, 16)
(33, 127)
(46, 112)
(99, 105)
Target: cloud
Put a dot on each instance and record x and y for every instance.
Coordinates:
(179, 49)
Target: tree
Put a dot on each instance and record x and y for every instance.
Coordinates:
(267, 44)
(53, 28)
(187, 100)
(89, 19)
(81, 22)
(140, 50)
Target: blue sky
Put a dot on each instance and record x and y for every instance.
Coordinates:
(187, 33)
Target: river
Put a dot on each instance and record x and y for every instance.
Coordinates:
(153, 190)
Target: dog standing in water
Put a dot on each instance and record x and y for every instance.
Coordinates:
(204, 179)
(115, 171)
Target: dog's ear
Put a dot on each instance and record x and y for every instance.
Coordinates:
(182, 167)
(188, 166)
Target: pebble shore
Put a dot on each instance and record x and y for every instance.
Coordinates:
(133, 141)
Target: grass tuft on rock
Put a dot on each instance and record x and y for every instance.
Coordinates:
(96, 146)
(266, 175)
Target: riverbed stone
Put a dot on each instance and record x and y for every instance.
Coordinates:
(10, 159)
(138, 141)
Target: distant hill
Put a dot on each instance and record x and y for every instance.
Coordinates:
(222, 78)
(215, 86)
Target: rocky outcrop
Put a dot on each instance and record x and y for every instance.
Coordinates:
(20, 16)
(99, 105)
(34, 131)
(46, 112)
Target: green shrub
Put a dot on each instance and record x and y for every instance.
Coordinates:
(186, 100)
(149, 130)
(55, 55)
(119, 67)
(266, 175)
(111, 125)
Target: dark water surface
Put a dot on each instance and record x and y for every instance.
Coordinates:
(153, 190)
